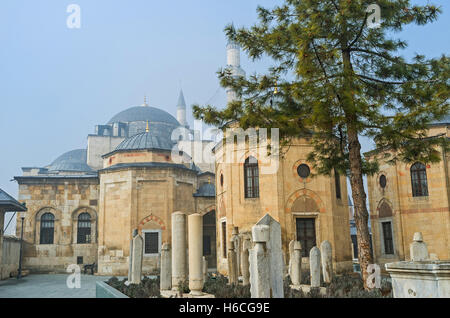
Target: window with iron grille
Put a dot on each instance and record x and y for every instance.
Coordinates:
(47, 228)
(337, 182)
(224, 239)
(419, 182)
(387, 236)
(84, 228)
(251, 178)
(151, 244)
(306, 234)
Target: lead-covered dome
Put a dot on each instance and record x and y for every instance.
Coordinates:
(74, 160)
(143, 114)
(147, 140)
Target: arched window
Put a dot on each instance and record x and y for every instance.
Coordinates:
(47, 228)
(251, 178)
(84, 228)
(419, 180)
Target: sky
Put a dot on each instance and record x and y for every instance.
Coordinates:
(57, 83)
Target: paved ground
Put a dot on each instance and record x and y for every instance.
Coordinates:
(48, 286)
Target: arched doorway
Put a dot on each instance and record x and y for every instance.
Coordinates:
(209, 238)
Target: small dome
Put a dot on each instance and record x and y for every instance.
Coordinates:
(143, 114)
(147, 140)
(74, 160)
(206, 190)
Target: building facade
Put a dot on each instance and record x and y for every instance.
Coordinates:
(411, 197)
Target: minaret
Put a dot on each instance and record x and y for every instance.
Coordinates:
(234, 64)
(181, 110)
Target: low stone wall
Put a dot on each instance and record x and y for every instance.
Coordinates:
(103, 290)
(10, 256)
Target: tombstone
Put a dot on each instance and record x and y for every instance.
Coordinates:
(314, 266)
(245, 265)
(260, 263)
(178, 249)
(275, 251)
(327, 261)
(237, 246)
(232, 264)
(205, 269)
(166, 268)
(130, 258)
(291, 253)
(418, 248)
(195, 231)
(138, 255)
(296, 263)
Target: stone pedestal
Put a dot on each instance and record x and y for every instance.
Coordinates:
(138, 254)
(296, 264)
(166, 267)
(259, 263)
(327, 261)
(426, 279)
(314, 266)
(195, 222)
(178, 249)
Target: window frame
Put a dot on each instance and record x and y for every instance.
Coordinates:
(43, 230)
(305, 250)
(383, 236)
(223, 238)
(159, 242)
(419, 180)
(251, 191)
(89, 240)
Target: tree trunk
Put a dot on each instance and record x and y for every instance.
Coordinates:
(359, 201)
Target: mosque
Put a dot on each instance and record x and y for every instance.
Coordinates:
(83, 206)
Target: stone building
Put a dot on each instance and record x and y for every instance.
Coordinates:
(412, 197)
(84, 206)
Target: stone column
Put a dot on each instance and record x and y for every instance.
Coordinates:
(130, 258)
(296, 264)
(291, 255)
(232, 263)
(245, 265)
(314, 266)
(195, 231)
(138, 254)
(259, 263)
(418, 248)
(178, 249)
(237, 246)
(166, 268)
(327, 261)
(205, 269)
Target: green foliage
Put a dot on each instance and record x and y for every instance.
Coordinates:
(183, 286)
(219, 287)
(148, 288)
(342, 286)
(334, 76)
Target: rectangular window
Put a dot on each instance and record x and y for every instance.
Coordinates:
(387, 236)
(224, 239)
(337, 182)
(151, 242)
(206, 245)
(79, 260)
(306, 234)
(47, 235)
(84, 235)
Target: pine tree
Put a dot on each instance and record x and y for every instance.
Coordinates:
(338, 77)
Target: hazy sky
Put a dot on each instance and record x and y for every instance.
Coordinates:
(57, 83)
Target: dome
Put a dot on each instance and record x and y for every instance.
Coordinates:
(147, 140)
(143, 114)
(206, 190)
(74, 160)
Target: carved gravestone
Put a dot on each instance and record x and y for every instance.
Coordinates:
(327, 261)
(138, 255)
(314, 266)
(166, 267)
(275, 253)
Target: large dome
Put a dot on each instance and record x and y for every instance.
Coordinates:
(144, 113)
(74, 160)
(147, 140)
